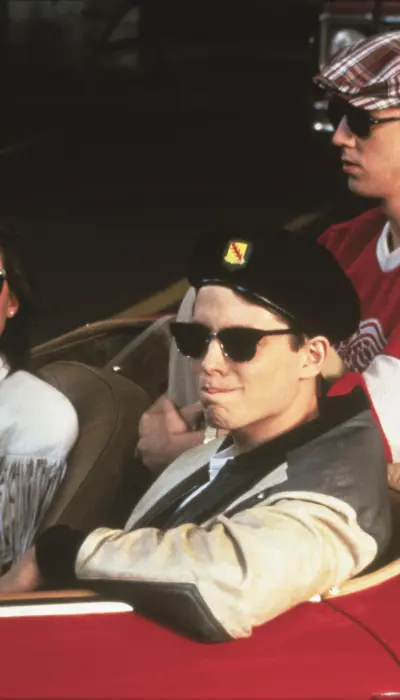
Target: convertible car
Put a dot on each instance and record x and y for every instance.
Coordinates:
(75, 644)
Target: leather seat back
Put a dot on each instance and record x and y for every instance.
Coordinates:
(103, 479)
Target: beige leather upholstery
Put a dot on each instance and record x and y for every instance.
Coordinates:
(103, 478)
(47, 596)
(145, 359)
(140, 347)
(94, 343)
(362, 583)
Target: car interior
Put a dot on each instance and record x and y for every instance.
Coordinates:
(104, 476)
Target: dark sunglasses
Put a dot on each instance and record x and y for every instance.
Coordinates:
(3, 278)
(238, 343)
(359, 121)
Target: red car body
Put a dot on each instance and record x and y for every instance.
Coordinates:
(344, 647)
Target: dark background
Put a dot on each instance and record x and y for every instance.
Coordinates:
(110, 174)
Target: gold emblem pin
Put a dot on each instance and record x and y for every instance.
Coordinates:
(237, 253)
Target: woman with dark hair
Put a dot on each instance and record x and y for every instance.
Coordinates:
(15, 337)
(38, 424)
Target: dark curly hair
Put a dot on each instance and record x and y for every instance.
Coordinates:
(16, 337)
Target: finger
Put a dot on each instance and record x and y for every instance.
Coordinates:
(191, 412)
(144, 424)
(174, 423)
(160, 405)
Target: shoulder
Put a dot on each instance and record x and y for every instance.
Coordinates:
(347, 459)
(348, 465)
(358, 230)
(36, 417)
(21, 387)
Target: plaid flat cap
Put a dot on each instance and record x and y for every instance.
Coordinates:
(366, 74)
(288, 274)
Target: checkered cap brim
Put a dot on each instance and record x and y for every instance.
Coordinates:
(367, 73)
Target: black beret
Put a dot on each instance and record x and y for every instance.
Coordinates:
(284, 271)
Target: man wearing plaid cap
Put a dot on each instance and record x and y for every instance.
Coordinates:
(363, 87)
(363, 84)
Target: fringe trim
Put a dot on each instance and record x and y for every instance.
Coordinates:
(27, 487)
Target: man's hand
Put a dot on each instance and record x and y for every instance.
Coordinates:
(24, 576)
(165, 433)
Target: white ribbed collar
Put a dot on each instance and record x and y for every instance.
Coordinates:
(388, 260)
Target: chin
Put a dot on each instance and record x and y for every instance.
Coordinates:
(216, 418)
(361, 189)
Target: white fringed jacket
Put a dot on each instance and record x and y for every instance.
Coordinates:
(38, 427)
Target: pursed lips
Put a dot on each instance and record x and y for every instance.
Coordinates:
(206, 389)
(348, 161)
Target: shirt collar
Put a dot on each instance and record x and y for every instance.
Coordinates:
(388, 259)
(220, 459)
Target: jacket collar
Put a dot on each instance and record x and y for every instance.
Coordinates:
(333, 410)
(241, 473)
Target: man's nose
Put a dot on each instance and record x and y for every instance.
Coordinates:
(343, 136)
(214, 358)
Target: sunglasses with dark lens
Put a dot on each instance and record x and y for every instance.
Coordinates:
(3, 278)
(238, 343)
(359, 121)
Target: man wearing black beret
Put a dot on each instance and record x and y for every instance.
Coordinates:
(291, 503)
(362, 88)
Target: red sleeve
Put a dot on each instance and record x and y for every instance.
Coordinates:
(381, 381)
(348, 239)
(323, 238)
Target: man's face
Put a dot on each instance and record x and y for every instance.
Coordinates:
(238, 394)
(372, 165)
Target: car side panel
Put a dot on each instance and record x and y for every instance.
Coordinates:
(377, 610)
(312, 651)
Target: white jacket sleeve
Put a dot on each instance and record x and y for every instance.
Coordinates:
(219, 580)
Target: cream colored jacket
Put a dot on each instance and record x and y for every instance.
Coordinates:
(277, 526)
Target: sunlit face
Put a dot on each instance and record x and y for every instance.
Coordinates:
(8, 302)
(267, 389)
(372, 165)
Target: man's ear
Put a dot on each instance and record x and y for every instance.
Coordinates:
(12, 305)
(313, 353)
(333, 367)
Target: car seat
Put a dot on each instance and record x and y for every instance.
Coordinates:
(103, 479)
